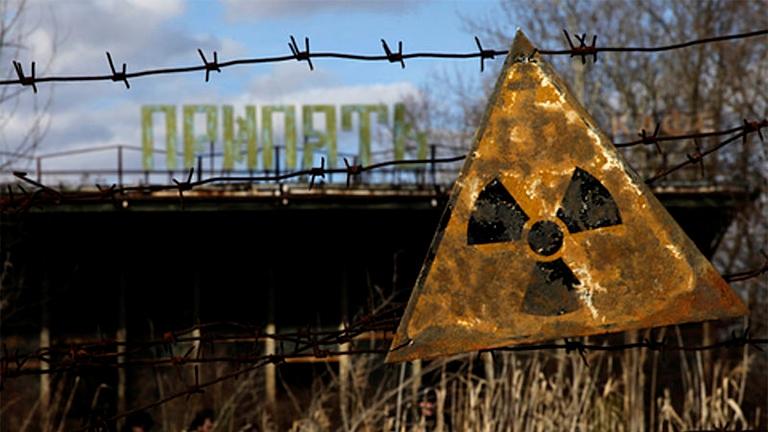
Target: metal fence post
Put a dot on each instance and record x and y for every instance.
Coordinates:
(38, 169)
(212, 161)
(432, 164)
(120, 165)
(199, 167)
(359, 177)
(277, 160)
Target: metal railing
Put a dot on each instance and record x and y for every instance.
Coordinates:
(128, 170)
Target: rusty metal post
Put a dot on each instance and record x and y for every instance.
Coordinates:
(120, 165)
(358, 177)
(38, 169)
(432, 164)
(277, 160)
(212, 162)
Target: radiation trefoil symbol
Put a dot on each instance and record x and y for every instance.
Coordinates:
(497, 218)
(550, 234)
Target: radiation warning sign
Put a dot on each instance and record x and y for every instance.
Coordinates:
(549, 234)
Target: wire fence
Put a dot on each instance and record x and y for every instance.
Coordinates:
(582, 50)
(104, 354)
(24, 200)
(115, 354)
(205, 165)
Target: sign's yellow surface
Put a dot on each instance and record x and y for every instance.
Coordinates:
(549, 234)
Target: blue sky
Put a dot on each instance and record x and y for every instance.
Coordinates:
(71, 36)
(423, 25)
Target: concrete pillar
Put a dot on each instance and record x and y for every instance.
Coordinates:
(270, 347)
(121, 337)
(45, 341)
(270, 371)
(345, 366)
(415, 386)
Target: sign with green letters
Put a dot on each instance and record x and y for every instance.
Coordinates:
(244, 143)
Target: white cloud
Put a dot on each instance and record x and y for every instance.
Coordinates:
(103, 113)
(294, 83)
(164, 8)
(287, 79)
(76, 34)
(387, 94)
(249, 10)
(71, 37)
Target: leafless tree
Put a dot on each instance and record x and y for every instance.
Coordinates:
(17, 103)
(706, 87)
(701, 88)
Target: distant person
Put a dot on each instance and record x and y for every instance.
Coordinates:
(203, 421)
(139, 422)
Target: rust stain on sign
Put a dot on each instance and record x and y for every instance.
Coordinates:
(548, 234)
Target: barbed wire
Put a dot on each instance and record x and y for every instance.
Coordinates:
(581, 50)
(87, 356)
(46, 195)
(80, 357)
(315, 343)
(697, 156)
(654, 138)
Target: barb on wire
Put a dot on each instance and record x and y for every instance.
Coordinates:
(210, 66)
(22, 175)
(394, 57)
(653, 138)
(316, 172)
(24, 79)
(754, 126)
(697, 157)
(109, 193)
(578, 346)
(300, 55)
(352, 170)
(582, 50)
(118, 76)
(484, 54)
(185, 186)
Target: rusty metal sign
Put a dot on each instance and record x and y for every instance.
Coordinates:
(549, 234)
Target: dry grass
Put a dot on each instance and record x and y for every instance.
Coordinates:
(542, 391)
(629, 391)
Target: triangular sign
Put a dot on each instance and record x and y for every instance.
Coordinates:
(548, 234)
